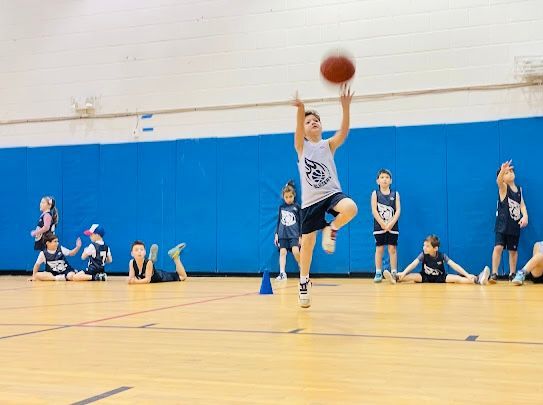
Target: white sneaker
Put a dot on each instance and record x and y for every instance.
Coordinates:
(483, 276)
(389, 276)
(282, 276)
(104, 277)
(329, 239)
(304, 294)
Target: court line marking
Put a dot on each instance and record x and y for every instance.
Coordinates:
(147, 325)
(101, 396)
(34, 332)
(291, 332)
(471, 338)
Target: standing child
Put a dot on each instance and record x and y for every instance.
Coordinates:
(142, 271)
(287, 231)
(433, 268)
(54, 257)
(98, 254)
(321, 191)
(511, 215)
(385, 207)
(46, 223)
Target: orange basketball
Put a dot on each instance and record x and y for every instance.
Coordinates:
(337, 68)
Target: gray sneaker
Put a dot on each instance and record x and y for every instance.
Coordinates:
(390, 276)
(176, 251)
(304, 294)
(153, 253)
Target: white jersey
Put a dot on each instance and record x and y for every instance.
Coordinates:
(318, 174)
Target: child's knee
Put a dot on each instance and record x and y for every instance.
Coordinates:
(282, 252)
(498, 248)
(391, 249)
(379, 249)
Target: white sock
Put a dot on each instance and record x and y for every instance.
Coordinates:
(394, 270)
(304, 279)
(378, 271)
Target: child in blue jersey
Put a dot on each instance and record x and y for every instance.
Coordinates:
(287, 230)
(321, 191)
(385, 207)
(46, 223)
(54, 257)
(433, 268)
(511, 216)
(142, 271)
(98, 253)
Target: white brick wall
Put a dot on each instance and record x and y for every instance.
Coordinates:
(136, 55)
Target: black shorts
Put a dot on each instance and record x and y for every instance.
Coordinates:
(40, 244)
(387, 238)
(509, 242)
(65, 272)
(427, 278)
(160, 276)
(313, 217)
(289, 243)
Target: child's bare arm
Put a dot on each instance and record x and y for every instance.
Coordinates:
(374, 210)
(410, 268)
(35, 271)
(346, 97)
(524, 220)
(299, 135)
(502, 187)
(74, 251)
(459, 269)
(397, 213)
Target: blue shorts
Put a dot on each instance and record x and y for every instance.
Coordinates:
(289, 243)
(313, 217)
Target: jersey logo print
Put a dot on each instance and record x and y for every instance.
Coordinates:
(58, 266)
(386, 212)
(288, 218)
(316, 174)
(430, 271)
(514, 209)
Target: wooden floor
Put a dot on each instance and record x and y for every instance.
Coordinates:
(215, 340)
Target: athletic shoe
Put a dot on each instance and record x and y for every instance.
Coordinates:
(378, 277)
(519, 278)
(329, 239)
(388, 276)
(153, 253)
(304, 294)
(103, 277)
(483, 276)
(493, 278)
(512, 276)
(281, 276)
(176, 251)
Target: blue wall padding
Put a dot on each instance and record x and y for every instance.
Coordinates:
(369, 150)
(80, 190)
(15, 233)
(277, 165)
(238, 201)
(221, 195)
(472, 159)
(422, 182)
(196, 203)
(117, 200)
(155, 197)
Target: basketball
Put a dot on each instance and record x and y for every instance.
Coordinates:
(337, 68)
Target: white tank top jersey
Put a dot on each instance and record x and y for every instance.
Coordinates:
(318, 174)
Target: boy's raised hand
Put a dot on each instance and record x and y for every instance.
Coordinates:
(78, 242)
(296, 102)
(345, 95)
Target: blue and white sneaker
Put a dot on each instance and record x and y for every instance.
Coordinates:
(282, 276)
(176, 251)
(378, 277)
(519, 278)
